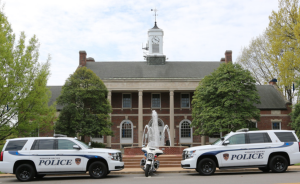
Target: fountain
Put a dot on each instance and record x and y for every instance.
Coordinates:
(152, 137)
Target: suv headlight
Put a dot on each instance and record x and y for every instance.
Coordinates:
(190, 154)
(115, 156)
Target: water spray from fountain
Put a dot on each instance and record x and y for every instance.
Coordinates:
(151, 135)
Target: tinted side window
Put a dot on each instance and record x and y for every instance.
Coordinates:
(43, 144)
(15, 145)
(237, 139)
(65, 144)
(286, 136)
(258, 138)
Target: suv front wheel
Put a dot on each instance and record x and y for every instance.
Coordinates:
(206, 166)
(98, 170)
(25, 172)
(278, 164)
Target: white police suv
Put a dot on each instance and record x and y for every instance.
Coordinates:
(39, 156)
(268, 150)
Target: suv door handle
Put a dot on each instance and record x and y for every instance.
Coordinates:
(268, 147)
(244, 148)
(59, 154)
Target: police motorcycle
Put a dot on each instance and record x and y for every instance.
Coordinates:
(150, 164)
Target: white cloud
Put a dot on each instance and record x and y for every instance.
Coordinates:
(114, 30)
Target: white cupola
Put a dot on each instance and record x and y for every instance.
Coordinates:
(154, 46)
(155, 40)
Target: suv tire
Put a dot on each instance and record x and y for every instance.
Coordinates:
(206, 166)
(98, 170)
(278, 164)
(25, 172)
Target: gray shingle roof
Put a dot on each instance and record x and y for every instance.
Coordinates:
(55, 91)
(269, 96)
(112, 70)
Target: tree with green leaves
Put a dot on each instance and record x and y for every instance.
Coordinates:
(276, 53)
(284, 38)
(85, 106)
(295, 116)
(23, 93)
(224, 101)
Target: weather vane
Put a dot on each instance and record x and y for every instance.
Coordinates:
(155, 10)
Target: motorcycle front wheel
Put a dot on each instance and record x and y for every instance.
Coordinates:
(147, 170)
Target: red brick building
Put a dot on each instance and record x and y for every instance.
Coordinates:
(137, 88)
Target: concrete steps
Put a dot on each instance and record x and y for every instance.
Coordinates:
(165, 161)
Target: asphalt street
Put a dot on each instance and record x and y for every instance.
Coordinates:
(165, 178)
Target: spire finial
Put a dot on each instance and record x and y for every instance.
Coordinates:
(155, 10)
(155, 14)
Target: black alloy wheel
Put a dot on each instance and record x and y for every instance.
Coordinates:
(278, 164)
(98, 170)
(25, 172)
(206, 166)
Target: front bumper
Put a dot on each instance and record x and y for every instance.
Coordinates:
(116, 165)
(188, 163)
(6, 167)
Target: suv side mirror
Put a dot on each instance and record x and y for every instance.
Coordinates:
(226, 142)
(222, 138)
(76, 147)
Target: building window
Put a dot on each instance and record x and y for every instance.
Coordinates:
(276, 125)
(252, 124)
(185, 100)
(185, 129)
(126, 132)
(126, 100)
(98, 136)
(155, 100)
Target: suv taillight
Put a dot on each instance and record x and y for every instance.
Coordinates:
(299, 146)
(1, 157)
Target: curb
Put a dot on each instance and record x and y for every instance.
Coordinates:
(191, 171)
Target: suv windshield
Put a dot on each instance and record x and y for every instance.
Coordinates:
(82, 144)
(219, 140)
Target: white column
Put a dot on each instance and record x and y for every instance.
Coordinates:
(140, 120)
(172, 132)
(108, 143)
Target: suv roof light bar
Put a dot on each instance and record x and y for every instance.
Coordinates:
(59, 135)
(243, 130)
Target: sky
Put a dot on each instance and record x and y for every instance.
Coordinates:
(114, 30)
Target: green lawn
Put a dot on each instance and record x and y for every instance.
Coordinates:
(297, 164)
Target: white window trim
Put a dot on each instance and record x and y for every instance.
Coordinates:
(181, 101)
(159, 101)
(126, 140)
(97, 139)
(185, 140)
(276, 122)
(130, 101)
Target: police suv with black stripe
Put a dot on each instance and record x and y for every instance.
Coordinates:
(39, 156)
(267, 150)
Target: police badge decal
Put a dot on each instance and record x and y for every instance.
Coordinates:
(225, 156)
(77, 161)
